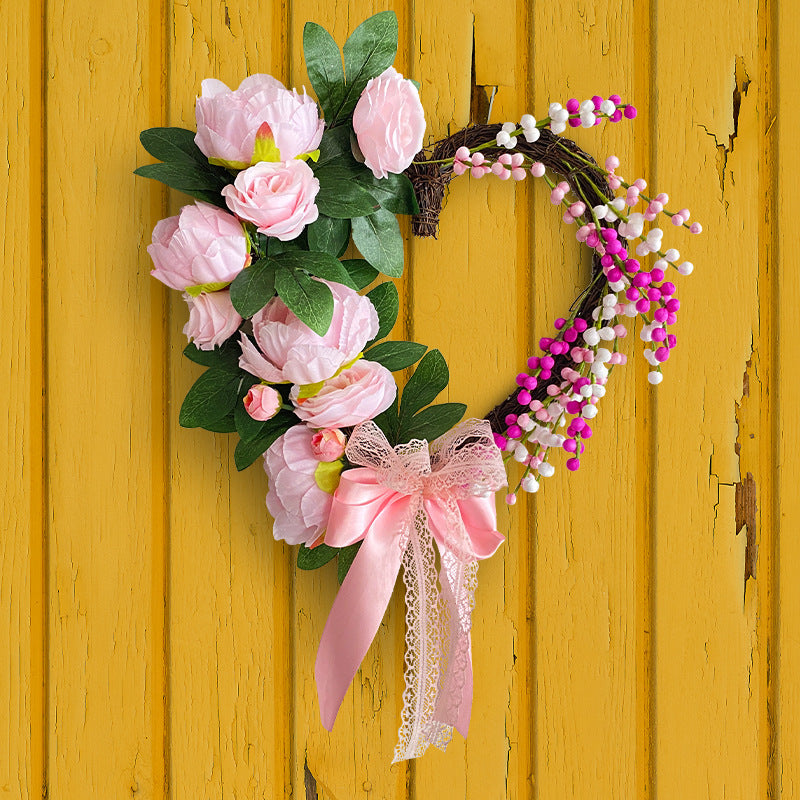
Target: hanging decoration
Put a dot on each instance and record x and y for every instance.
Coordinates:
(293, 331)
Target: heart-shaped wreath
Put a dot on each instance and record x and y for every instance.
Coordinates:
(299, 367)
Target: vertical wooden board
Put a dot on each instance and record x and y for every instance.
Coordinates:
(100, 447)
(465, 290)
(781, 148)
(587, 548)
(353, 760)
(21, 474)
(709, 679)
(229, 679)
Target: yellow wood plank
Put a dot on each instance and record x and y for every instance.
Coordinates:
(354, 760)
(99, 421)
(783, 462)
(590, 570)
(21, 473)
(229, 675)
(708, 622)
(466, 292)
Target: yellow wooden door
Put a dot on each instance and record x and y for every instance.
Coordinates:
(638, 635)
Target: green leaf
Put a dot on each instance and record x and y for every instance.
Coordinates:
(396, 355)
(315, 557)
(202, 184)
(173, 145)
(329, 235)
(346, 557)
(387, 303)
(224, 357)
(432, 421)
(224, 425)
(395, 193)
(429, 378)
(361, 273)
(341, 197)
(253, 287)
(389, 422)
(212, 397)
(378, 239)
(249, 450)
(310, 300)
(324, 67)
(334, 148)
(323, 265)
(275, 247)
(370, 49)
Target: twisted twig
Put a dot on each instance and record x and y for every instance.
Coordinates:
(562, 157)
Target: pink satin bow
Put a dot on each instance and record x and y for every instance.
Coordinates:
(398, 503)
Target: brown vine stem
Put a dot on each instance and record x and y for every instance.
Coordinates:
(560, 156)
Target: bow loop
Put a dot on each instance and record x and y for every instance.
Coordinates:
(399, 502)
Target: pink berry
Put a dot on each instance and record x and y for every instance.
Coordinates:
(573, 464)
(630, 112)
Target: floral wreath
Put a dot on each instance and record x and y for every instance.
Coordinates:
(299, 366)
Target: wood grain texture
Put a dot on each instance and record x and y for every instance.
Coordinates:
(586, 578)
(21, 472)
(99, 420)
(783, 59)
(229, 620)
(636, 637)
(708, 623)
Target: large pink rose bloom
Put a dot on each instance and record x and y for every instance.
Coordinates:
(212, 319)
(295, 501)
(277, 196)
(203, 244)
(290, 352)
(355, 395)
(227, 121)
(389, 123)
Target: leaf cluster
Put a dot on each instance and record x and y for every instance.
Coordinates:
(353, 206)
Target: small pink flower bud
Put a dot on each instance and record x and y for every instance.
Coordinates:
(262, 402)
(328, 444)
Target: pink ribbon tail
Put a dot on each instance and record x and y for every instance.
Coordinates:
(361, 505)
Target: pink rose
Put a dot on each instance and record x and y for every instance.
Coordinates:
(277, 196)
(227, 121)
(203, 244)
(288, 351)
(296, 502)
(212, 319)
(328, 445)
(262, 402)
(355, 395)
(389, 123)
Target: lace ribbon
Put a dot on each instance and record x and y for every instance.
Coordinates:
(400, 501)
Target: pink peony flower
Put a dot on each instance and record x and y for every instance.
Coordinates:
(262, 402)
(328, 445)
(212, 319)
(227, 121)
(289, 351)
(203, 244)
(354, 395)
(296, 502)
(277, 196)
(389, 123)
